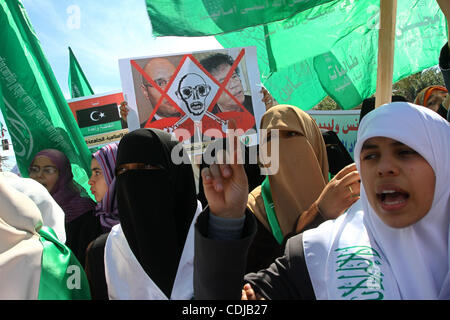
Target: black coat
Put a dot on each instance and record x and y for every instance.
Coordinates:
(219, 267)
(80, 232)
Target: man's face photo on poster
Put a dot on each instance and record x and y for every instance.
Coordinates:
(234, 86)
(160, 70)
(221, 67)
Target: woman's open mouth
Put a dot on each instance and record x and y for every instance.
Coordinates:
(392, 199)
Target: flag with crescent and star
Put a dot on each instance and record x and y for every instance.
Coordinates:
(95, 119)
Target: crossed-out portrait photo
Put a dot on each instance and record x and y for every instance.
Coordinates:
(196, 92)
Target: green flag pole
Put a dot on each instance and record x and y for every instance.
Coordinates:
(386, 49)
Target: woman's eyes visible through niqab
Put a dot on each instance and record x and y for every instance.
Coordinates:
(286, 134)
(136, 166)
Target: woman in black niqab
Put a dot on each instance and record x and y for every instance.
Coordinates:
(157, 203)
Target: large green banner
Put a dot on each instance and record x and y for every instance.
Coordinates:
(35, 110)
(194, 18)
(324, 48)
(332, 49)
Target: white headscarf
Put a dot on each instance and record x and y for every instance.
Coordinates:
(418, 254)
(401, 263)
(20, 247)
(52, 214)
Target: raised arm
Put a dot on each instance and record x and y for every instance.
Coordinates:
(226, 185)
(223, 235)
(221, 252)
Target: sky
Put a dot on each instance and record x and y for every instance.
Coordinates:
(99, 32)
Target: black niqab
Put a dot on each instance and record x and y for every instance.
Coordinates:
(156, 207)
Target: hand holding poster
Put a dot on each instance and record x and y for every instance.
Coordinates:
(194, 95)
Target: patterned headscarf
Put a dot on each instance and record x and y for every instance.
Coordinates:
(69, 195)
(107, 208)
(425, 94)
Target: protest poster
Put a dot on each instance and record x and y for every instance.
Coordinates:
(98, 118)
(194, 95)
(344, 122)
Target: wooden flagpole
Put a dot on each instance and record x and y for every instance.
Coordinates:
(386, 46)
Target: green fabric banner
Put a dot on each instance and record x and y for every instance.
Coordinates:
(78, 83)
(194, 18)
(332, 49)
(34, 108)
(62, 276)
(310, 49)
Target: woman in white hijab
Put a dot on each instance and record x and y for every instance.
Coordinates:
(34, 263)
(394, 244)
(391, 244)
(52, 214)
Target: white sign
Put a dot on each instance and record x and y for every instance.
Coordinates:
(345, 123)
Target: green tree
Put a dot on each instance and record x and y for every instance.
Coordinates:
(412, 85)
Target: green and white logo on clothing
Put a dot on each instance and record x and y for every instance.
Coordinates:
(359, 273)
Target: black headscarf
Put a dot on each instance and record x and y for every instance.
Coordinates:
(338, 156)
(368, 105)
(156, 207)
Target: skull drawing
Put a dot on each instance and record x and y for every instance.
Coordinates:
(193, 90)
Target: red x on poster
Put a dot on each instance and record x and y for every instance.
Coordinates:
(195, 93)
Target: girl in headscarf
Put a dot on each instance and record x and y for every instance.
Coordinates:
(295, 198)
(103, 185)
(399, 231)
(52, 169)
(391, 244)
(149, 255)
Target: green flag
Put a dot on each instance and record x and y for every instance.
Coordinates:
(332, 50)
(322, 48)
(34, 108)
(62, 275)
(194, 18)
(78, 83)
